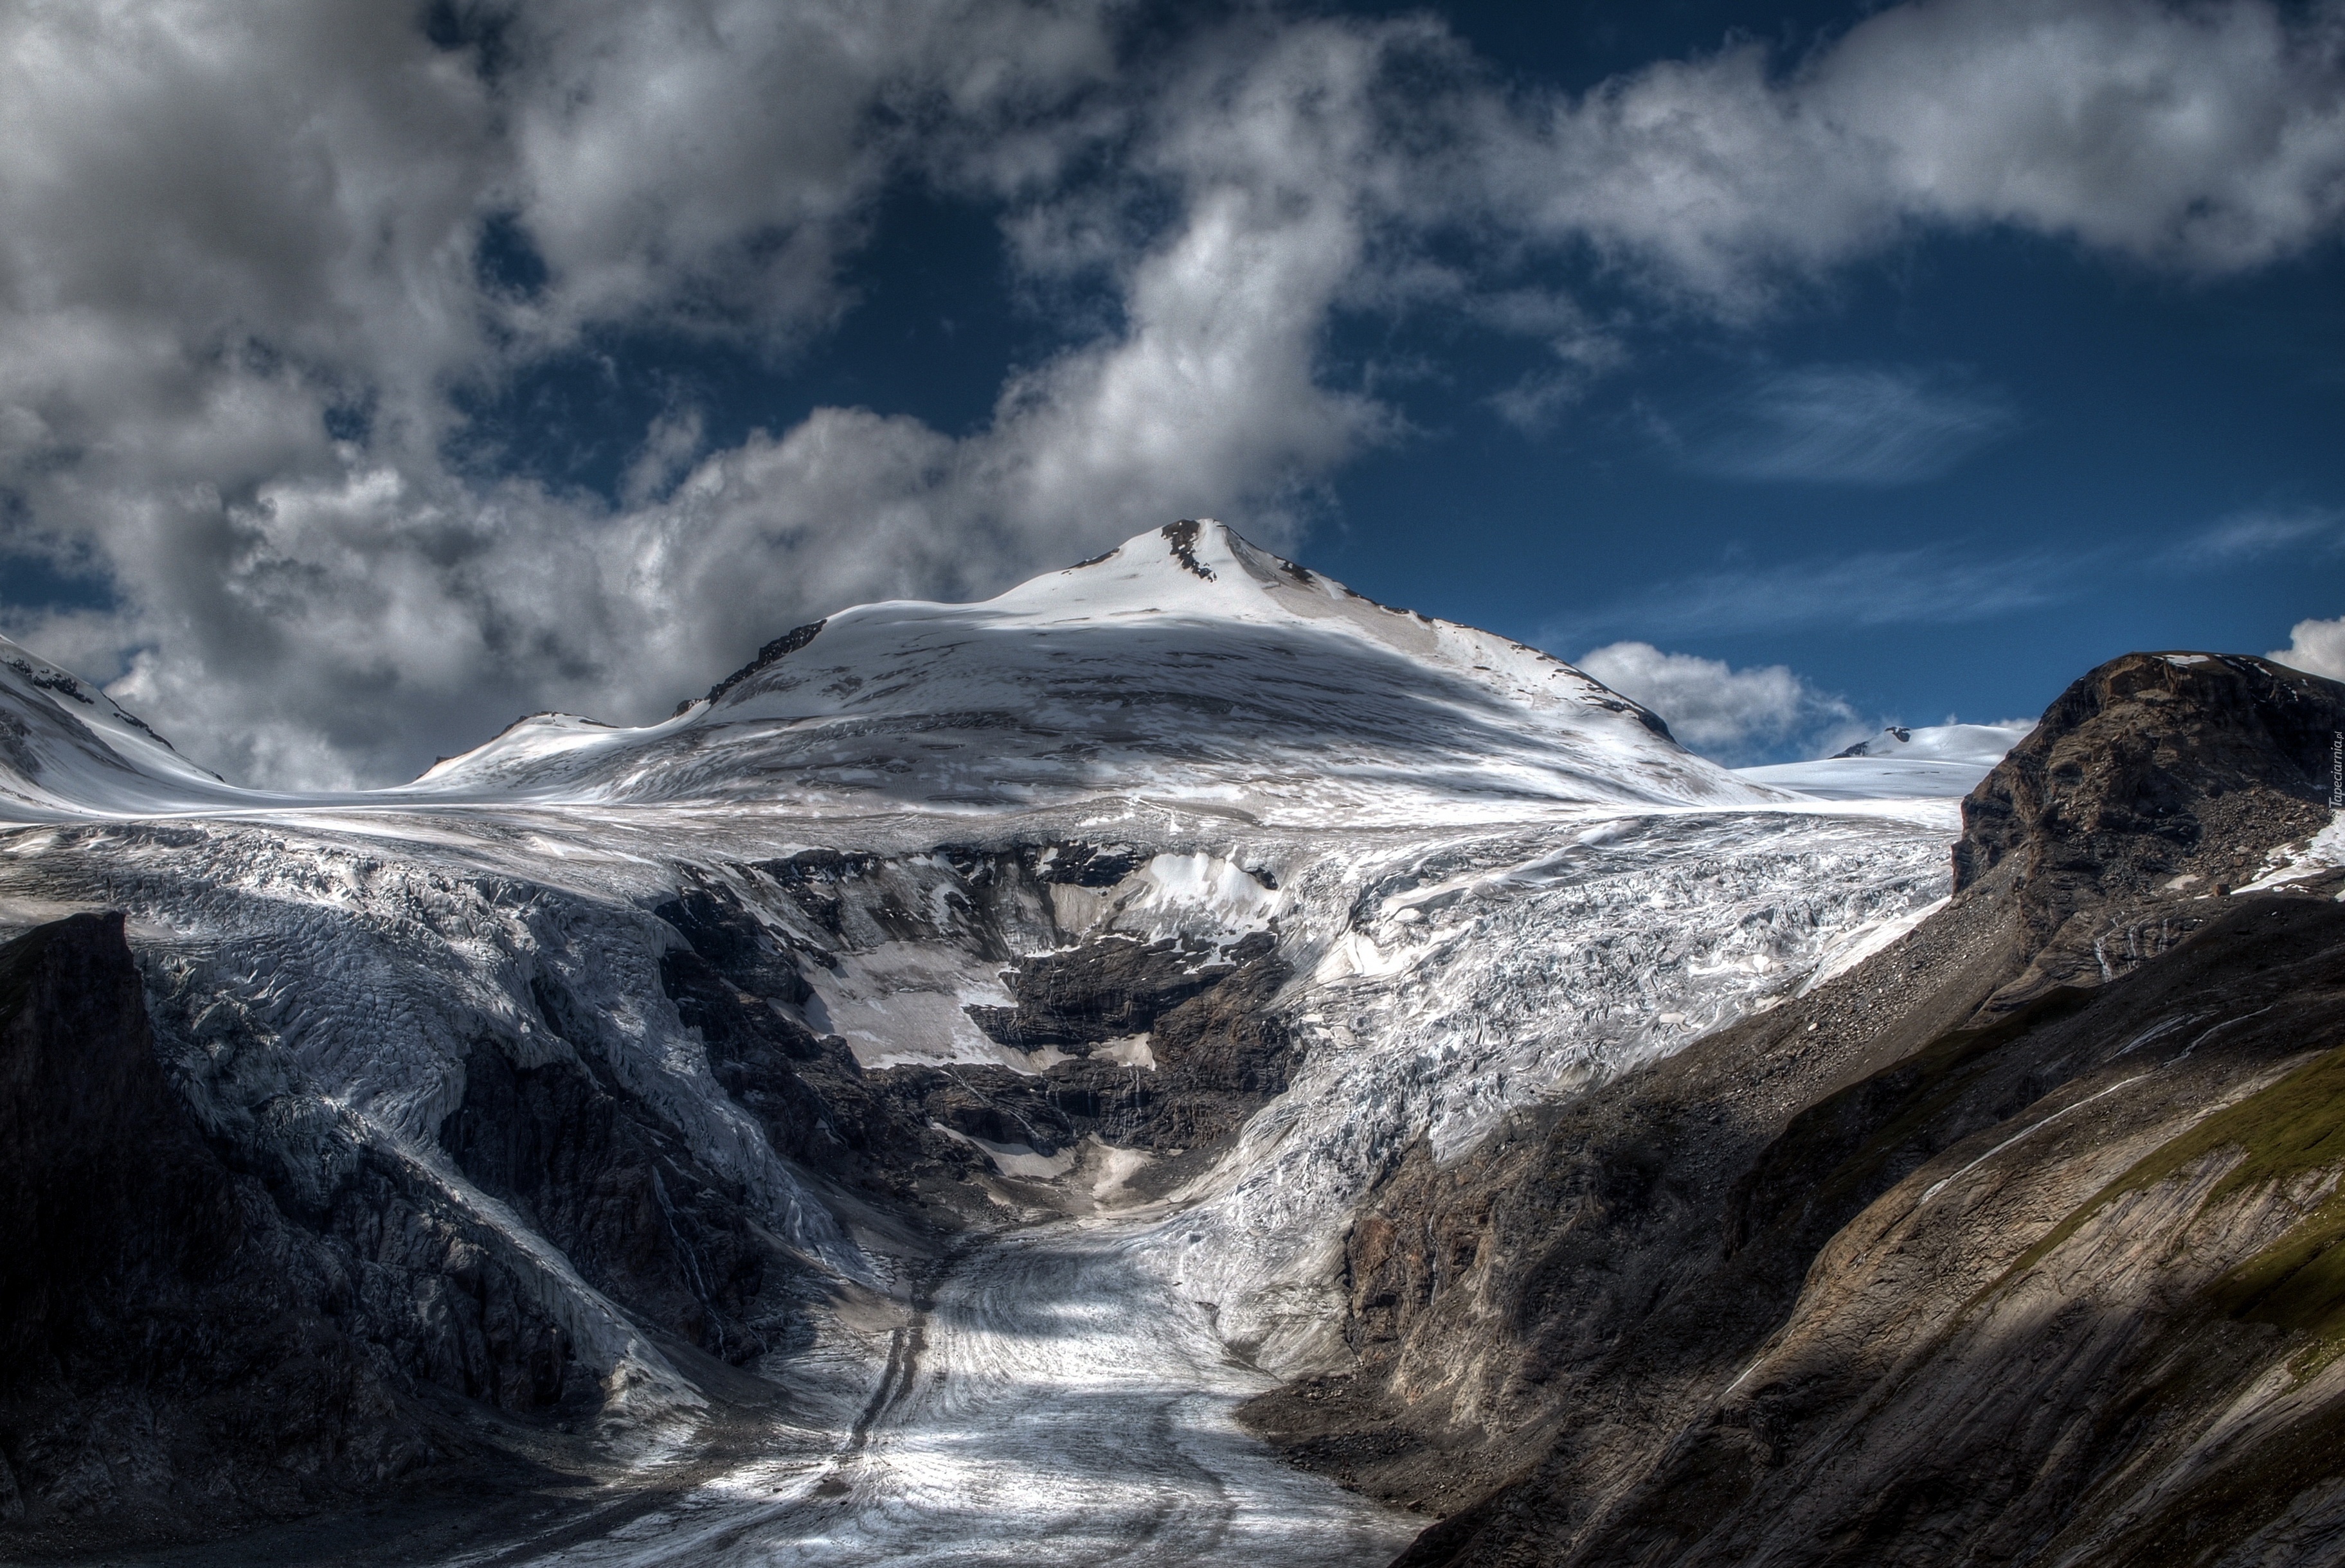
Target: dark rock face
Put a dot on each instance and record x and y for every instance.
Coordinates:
(1098, 992)
(730, 940)
(615, 1189)
(780, 648)
(175, 1354)
(1990, 1353)
(2151, 761)
(1215, 1050)
(814, 1101)
(2154, 779)
(1963, 1258)
(1183, 537)
(1089, 865)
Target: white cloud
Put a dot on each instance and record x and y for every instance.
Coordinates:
(220, 223)
(337, 611)
(1847, 424)
(2315, 647)
(2206, 137)
(1735, 716)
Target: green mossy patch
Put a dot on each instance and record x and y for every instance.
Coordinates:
(2291, 1130)
(1857, 1135)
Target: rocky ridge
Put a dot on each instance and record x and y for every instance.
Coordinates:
(177, 1344)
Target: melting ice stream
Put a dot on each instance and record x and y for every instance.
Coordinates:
(1050, 1402)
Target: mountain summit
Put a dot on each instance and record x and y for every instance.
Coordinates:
(1185, 664)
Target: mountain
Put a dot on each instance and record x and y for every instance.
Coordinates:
(2008, 1244)
(66, 747)
(915, 1101)
(1899, 762)
(1185, 665)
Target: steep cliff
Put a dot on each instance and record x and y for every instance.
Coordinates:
(169, 1350)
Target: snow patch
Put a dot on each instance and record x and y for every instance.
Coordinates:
(2323, 852)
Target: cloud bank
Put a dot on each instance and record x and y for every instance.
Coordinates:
(257, 258)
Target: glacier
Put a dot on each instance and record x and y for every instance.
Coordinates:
(1489, 879)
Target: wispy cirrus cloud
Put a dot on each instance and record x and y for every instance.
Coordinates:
(1881, 425)
(1932, 586)
(2259, 533)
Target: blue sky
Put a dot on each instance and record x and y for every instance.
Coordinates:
(369, 376)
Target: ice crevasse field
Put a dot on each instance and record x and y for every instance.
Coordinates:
(1490, 880)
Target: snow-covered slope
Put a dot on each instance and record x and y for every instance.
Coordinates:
(1184, 666)
(1938, 762)
(64, 747)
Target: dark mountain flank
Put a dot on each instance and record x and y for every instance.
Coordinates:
(164, 1352)
(2012, 1245)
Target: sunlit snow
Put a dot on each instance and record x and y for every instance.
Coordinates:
(1494, 880)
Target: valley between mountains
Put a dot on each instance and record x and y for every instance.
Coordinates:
(1179, 1064)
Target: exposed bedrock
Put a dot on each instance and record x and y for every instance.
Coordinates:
(1206, 1048)
(2018, 1297)
(2012, 1245)
(1165, 1043)
(2154, 780)
(617, 1191)
(184, 1347)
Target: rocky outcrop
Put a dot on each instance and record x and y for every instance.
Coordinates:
(2154, 780)
(618, 1191)
(2093, 1327)
(2008, 1246)
(1106, 989)
(1164, 1045)
(177, 1355)
(1195, 1045)
(2042, 1307)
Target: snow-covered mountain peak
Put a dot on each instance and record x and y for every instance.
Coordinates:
(1982, 743)
(1902, 762)
(1196, 571)
(1184, 665)
(1186, 668)
(65, 743)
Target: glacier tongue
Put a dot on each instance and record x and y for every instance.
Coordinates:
(1484, 880)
